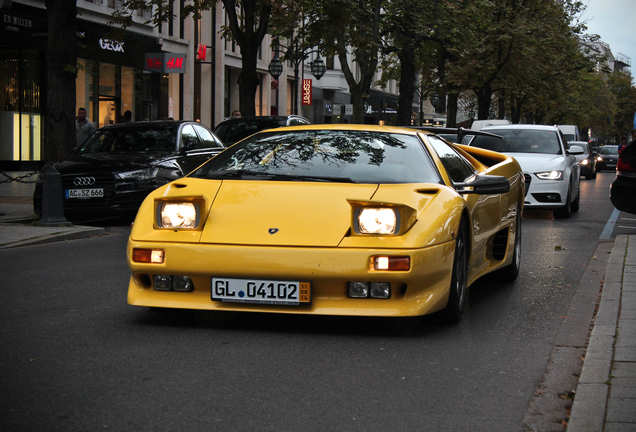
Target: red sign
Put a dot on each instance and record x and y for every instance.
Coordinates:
(201, 52)
(165, 62)
(306, 94)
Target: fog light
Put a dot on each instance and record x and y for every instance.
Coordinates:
(358, 289)
(163, 283)
(380, 290)
(182, 283)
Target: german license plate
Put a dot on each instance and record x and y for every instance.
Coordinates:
(271, 292)
(85, 193)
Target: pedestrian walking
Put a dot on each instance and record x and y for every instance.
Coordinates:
(84, 128)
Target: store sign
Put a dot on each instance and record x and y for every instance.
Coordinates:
(306, 95)
(20, 25)
(111, 45)
(165, 62)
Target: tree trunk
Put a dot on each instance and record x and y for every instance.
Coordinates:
(407, 87)
(484, 95)
(61, 76)
(451, 110)
(248, 82)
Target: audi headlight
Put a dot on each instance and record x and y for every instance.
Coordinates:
(183, 215)
(139, 175)
(381, 221)
(550, 175)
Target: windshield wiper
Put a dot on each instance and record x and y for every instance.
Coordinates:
(227, 174)
(296, 177)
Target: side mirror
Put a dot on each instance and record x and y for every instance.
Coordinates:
(483, 184)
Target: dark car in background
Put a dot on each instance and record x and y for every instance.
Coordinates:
(587, 160)
(234, 129)
(114, 170)
(623, 189)
(607, 158)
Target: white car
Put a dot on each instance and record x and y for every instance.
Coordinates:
(550, 167)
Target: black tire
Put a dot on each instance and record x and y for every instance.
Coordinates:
(458, 296)
(576, 204)
(511, 271)
(565, 211)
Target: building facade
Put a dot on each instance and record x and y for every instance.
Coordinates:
(155, 73)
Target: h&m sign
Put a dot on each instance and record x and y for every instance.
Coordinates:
(165, 62)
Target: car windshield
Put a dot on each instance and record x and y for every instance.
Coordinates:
(325, 155)
(520, 141)
(609, 150)
(232, 131)
(130, 139)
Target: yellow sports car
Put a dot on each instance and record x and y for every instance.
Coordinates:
(333, 220)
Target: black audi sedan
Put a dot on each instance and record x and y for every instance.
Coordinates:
(113, 171)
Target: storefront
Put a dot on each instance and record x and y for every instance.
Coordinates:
(114, 77)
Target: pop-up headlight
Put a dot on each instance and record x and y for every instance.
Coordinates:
(377, 221)
(178, 215)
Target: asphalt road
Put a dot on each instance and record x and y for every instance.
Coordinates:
(75, 357)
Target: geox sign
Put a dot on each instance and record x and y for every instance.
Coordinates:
(110, 45)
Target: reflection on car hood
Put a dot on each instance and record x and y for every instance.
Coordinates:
(245, 212)
(536, 162)
(110, 162)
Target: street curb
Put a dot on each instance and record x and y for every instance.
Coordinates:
(592, 393)
(72, 233)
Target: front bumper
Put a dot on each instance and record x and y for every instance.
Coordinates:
(421, 290)
(546, 194)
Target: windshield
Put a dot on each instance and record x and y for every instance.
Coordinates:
(232, 131)
(609, 150)
(325, 155)
(153, 138)
(520, 141)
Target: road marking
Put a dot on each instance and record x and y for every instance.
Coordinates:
(609, 227)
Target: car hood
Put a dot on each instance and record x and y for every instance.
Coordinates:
(535, 162)
(282, 213)
(308, 214)
(109, 162)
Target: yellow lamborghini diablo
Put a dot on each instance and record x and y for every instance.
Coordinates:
(332, 220)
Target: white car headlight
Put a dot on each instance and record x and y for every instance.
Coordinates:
(377, 221)
(585, 162)
(550, 175)
(139, 175)
(184, 215)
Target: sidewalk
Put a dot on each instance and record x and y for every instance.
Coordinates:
(18, 226)
(606, 393)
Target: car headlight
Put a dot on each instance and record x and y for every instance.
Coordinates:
(139, 175)
(599, 159)
(381, 221)
(550, 175)
(183, 215)
(585, 162)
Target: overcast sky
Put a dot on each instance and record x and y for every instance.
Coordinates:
(615, 22)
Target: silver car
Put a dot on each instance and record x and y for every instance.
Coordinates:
(550, 167)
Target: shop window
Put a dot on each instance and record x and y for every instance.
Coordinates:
(20, 105)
